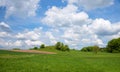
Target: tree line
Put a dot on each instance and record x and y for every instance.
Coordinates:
(113, 46)
(58, 46)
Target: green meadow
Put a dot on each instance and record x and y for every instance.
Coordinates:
(72, 61)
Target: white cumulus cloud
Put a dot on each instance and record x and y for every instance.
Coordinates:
(64, 17)
(77, 29)
(66, 24)
(20, 8)
(91, 4)
(4, 27)
(104, 27)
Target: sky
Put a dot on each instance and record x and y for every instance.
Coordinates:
(77, 23)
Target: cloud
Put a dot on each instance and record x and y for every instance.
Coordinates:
(80, 36)
(4, 27)
(24, 40)
(2, 43)
(77, 29)
(104, 27)
(91, 4)
(17, 43)
(76, 36)
(66, 24)
(109, 37)
(28, 35)
(64, 17)
(51, 37)
(4, 35)
(36, 37)
(30, 38)
(73, 24)
(33, 43)
(20, 8)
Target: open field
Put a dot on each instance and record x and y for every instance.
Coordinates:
(73, 61)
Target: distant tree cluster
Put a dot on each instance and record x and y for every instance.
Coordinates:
(94, 49)
(36, 48)
(58, 46)
(61, 46)
(87, 49)
(113, 46)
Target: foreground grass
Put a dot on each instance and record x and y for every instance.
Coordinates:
(73, 61)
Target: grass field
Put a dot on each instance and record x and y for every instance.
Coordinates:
(73, 61)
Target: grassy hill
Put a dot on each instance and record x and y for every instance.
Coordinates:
(73, 61)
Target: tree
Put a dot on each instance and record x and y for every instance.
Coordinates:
(84, 49)
(42, 46)
(67, 47)
(95, 49)
(58, 45)
(35, 48)
(113, 45)
(61, 46)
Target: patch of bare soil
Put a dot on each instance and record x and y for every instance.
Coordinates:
(34, 51)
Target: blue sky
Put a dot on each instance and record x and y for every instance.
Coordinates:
(78, 23)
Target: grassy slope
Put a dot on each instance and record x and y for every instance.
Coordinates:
(73, 61)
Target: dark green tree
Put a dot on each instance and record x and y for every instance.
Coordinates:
(84, 49)
(42, 46)
(58, 45)
(67, 48)
(35, 48)
(113, 45)
(61, 46)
